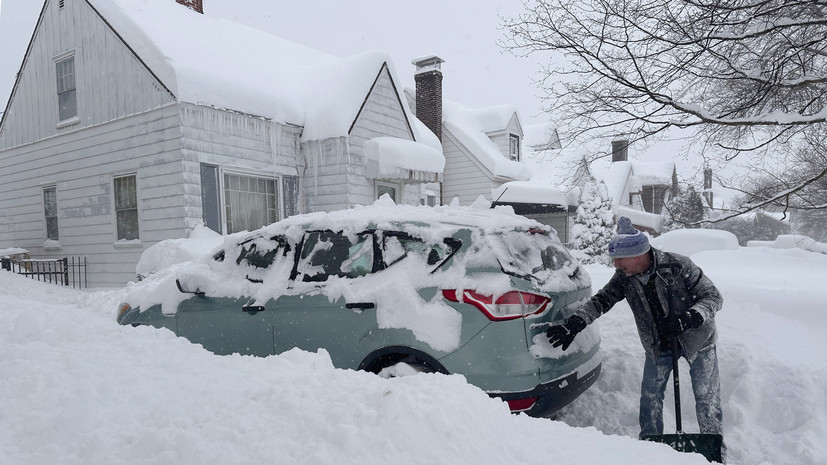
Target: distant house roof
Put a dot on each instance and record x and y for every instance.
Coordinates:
(529, 192)
(635, 174)
(224, 64)
(471, 127)
(540, 137)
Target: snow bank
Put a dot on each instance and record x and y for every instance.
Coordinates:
(790, 241)
(691, 241)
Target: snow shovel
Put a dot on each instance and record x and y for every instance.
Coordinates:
(708, 445)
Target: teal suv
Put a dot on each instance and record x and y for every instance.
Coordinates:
(390, 290)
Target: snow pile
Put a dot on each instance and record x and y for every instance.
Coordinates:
(202, 241)
(690, 241)
(791, 241)
(79, 389)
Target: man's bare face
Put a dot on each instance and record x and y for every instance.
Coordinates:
(633, 265)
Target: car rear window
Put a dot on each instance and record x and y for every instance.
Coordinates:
(531, 254)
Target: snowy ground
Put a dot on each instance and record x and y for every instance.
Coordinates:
(75, 388)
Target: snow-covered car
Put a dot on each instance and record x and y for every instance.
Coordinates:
(390, 289)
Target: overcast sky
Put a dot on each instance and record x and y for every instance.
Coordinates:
(464, 33)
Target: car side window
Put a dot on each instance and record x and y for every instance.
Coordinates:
(327, 253)
(397, 245)
(259, 253)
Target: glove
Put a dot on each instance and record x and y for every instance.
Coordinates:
(563, 335)
(676, 324)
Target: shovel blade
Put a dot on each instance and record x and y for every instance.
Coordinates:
(708, 445)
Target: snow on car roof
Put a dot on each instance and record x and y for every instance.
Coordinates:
(385, 214)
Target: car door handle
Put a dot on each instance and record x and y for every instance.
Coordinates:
(360, 306)
(252, 309)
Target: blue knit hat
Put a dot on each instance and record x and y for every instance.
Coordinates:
(629, 242)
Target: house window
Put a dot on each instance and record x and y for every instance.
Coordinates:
(249, 202)
(514, 147)
(126, 207)
(50, 211)
(429, 200)
(66, 93)
(652, 198)
(385, 188)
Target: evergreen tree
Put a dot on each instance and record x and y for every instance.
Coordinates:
(593, 224)
(685, 210)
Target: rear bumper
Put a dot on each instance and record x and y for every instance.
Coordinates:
(550, 396)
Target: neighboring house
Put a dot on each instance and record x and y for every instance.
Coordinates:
(131, 122)
(481, 146)
(639, 190)
(483, 150)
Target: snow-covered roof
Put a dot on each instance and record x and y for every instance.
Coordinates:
(615, 175)
(653, 173)
(640, 218)
(540, 137)
(394, 158)
(471, 127)
(529, 192)
(224, 64)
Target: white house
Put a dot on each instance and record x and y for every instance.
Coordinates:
(484, 151)
(132, 121)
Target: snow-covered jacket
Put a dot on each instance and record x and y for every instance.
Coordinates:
(680, 284)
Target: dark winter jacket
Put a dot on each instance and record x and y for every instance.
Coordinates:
(680, 284)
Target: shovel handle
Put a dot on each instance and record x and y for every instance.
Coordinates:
(674, 343)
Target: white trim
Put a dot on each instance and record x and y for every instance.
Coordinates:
(394, 185)
(68, 122)
(64, 55)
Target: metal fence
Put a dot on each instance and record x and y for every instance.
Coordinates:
(67, 271)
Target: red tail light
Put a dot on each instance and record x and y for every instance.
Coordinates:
(509, 306)
(518, 405)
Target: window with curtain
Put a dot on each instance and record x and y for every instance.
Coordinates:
(249, 202)
(50, 211)
(126, 207)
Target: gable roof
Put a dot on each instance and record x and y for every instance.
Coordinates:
(224, 64)
(471, 127)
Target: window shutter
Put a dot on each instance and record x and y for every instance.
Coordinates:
(290, 188)
(210, 203)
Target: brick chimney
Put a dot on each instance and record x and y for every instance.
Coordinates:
(428, 77)
(194, 5)
(620, 149)
(707, 193)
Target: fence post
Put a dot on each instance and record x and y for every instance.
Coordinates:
(65, 271)
(6, 263)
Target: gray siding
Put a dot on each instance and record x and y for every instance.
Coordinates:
(234, 142)
(111, 82)
(382, 115)
(464, 177)
(82, 165)
(502, 139)
(325, 175)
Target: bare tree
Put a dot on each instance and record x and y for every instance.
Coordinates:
(749, 75)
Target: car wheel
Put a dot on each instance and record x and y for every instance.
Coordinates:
(393, 365)
(406, 368)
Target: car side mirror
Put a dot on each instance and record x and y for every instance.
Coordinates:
(185, 290)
